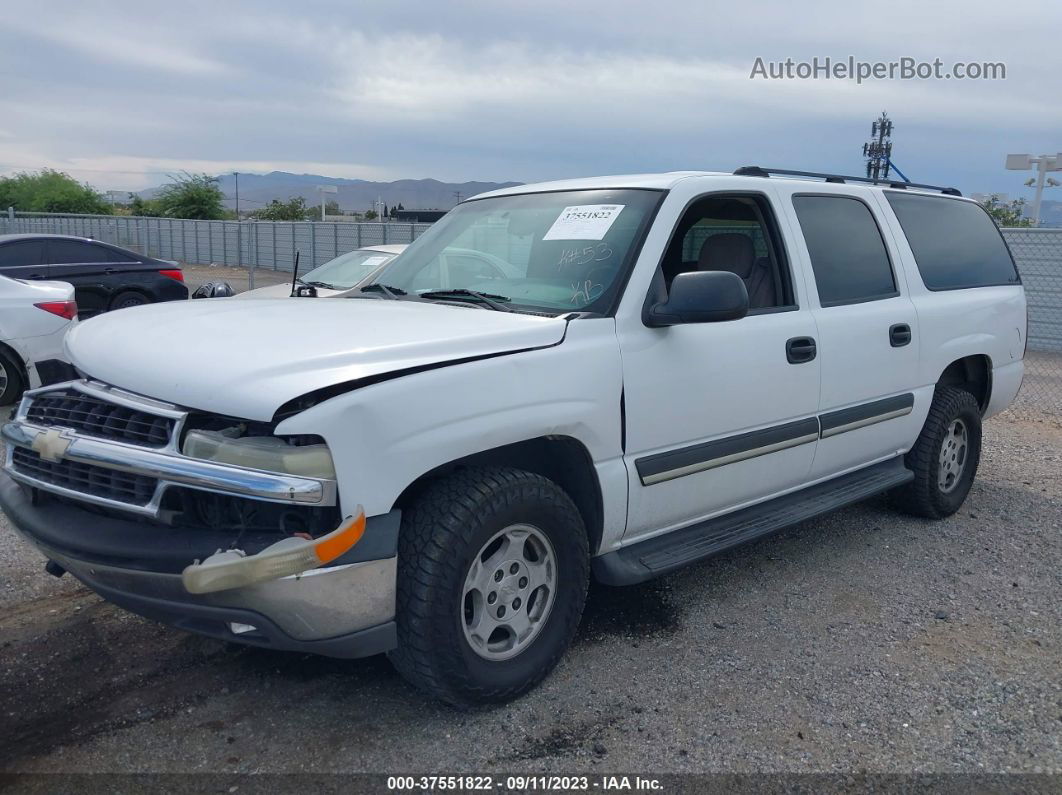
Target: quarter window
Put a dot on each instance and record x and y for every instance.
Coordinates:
(955, 243)
(847, 252)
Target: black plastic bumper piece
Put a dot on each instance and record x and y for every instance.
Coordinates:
(214, 622)
(671, 551)
(55, 371)
(138, 544)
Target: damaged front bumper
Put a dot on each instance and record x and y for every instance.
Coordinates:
(343, 610)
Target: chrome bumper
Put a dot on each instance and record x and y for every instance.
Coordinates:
(315, 605)
(166, 465)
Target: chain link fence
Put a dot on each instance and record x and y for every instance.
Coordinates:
(271, 245)
(1038, 253)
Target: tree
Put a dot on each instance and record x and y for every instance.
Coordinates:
(147, 208)
(1006, 213)
(192, 196)
(293, 210)
(370, 215)
(48, 191)
(332, 207)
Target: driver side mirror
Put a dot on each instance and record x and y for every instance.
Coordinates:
(701, 297)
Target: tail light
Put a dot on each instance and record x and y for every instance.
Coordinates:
(66, 309)
(174, 273)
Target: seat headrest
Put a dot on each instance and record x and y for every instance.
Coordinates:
(729, 251)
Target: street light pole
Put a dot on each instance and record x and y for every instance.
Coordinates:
(1043, 164)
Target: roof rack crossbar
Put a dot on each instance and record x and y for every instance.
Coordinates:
(760, 171)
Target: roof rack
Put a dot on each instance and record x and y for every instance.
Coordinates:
(759, 171)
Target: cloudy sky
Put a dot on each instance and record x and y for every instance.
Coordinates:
(120, 95)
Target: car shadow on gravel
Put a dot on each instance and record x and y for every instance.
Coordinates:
(649, 609)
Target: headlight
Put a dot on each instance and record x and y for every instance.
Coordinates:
(269, 453)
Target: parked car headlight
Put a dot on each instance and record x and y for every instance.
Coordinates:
(269, 453)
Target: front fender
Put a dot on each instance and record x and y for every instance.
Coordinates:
(386, 435)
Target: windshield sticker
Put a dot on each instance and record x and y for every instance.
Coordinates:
(584, 222)
(372, 262)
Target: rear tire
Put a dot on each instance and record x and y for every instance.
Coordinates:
(11, 381)
(945, 457)
(477, 545)
(127, 299)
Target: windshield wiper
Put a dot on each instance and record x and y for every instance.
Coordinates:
(489, 299)
(385, 290)
(325, 285)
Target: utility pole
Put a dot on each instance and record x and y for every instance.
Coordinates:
(878, 151)
(457, 195)
(1042, 164)
(236, 174)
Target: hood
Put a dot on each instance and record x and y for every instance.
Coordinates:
(247, 358)
(282, 291)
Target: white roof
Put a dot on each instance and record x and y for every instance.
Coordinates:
(386, 249)
(668, 180)
(656, 181)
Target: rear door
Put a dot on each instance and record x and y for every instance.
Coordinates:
(98, 272)
(867, 326)
(23, 259)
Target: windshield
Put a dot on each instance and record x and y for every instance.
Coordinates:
(348, 269)
(552, 252)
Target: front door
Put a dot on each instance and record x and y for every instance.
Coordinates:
(720, 415)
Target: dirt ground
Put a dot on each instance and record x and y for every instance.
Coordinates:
(238, 278)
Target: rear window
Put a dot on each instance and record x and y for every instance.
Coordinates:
(22, 253)
(70, 252)
(955, 243)
(847, 253)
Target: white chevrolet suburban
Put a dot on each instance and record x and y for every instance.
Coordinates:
(667, 366)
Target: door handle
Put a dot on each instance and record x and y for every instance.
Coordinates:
(799, 350)
(37, 276)
(899, 335)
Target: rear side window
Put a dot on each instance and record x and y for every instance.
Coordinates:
(955, 243)
(847, 252)
(63, 252)
(26, 252)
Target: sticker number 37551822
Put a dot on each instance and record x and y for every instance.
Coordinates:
(584, 222)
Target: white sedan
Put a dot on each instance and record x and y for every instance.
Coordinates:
(34, 318)
(337, 276)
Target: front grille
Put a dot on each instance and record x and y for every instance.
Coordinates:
(85, 478)
(91, 416)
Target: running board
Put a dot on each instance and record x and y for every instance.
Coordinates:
(666, 553)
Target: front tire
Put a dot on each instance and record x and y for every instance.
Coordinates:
(945, 457)
(493, 569)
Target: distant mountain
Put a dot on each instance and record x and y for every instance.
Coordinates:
(354, 195)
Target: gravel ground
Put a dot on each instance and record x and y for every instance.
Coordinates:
(863, 641)
(238, 278)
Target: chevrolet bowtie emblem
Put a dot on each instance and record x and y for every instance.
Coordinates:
(51, 445)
